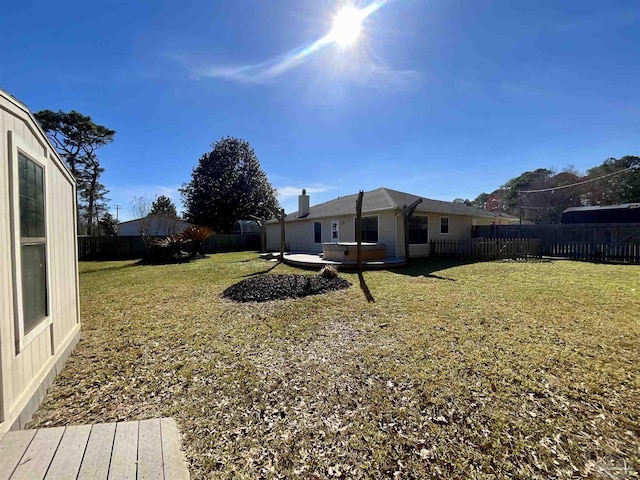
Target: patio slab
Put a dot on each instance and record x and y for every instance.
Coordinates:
(314, 260)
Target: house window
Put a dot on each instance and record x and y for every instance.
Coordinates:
(369, 229)
(418, 230)
(444, 225)
(335, 231)
(32, 242)
(317, 232)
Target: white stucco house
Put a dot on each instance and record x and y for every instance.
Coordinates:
(39, 309)
(334, 221)
(153, 225)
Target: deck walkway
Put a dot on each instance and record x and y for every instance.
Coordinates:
(147, 449)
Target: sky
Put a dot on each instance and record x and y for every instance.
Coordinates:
(438, 98)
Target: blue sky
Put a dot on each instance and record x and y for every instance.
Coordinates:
(440, 98)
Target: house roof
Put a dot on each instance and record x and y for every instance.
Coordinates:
(622, 206)
(382, 199)
(153, 215)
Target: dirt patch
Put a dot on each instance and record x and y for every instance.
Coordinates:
(276, 287)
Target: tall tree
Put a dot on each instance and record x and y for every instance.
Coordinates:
(163, 205)
(622, 187)
(228, 184)
(77, 138)
(480, 201)
(108, 225)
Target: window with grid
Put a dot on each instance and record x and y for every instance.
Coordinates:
(369, 229)
(444, 225)
(32, 242)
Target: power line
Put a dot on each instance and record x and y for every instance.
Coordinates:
(553, 189)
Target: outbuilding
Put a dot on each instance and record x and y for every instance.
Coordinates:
(39, 309)
(623, 213)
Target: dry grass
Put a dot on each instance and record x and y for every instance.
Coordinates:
(486, 370)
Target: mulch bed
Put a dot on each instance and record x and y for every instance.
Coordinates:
(276, 287)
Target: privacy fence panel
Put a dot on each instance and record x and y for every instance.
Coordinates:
(600, 242)
(121, 248)
(487, 248)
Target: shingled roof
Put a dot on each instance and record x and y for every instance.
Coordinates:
(382, 199)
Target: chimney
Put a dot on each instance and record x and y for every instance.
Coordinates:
(303, 204)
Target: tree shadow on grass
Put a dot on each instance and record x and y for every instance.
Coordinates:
(365, 288)
(107, 269)
(425, 267)
(262, 272)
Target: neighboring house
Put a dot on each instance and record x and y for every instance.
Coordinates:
(334, 221)
(623, 213)
(153, 226)
(39, 310)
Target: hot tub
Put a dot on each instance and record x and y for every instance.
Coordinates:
(348, 251)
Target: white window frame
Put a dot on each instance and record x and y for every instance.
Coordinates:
(17, 144)
(314, 232)
(448, 225)
(355, 227)
(336, 230)
(428, 230)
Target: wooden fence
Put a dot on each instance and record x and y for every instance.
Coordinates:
(598, 242)
(117, 248)
(487, 248)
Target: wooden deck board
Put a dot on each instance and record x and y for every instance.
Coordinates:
(174, 464)
(97, 456)
(12, 449)
(148, 449)
(66, 463)
(36, 460)
(124, 456)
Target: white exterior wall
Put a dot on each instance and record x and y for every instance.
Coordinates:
(459, 228)
(26, 370)
(299, 233)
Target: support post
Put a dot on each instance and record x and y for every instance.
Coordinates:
(263, 232)
(407, 213)
(282, 236)
(359, 229)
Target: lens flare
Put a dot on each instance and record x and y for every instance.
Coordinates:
(347, 25)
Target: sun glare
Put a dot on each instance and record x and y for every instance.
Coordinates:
(346, 27)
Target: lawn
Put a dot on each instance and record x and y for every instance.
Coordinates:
(478, 370)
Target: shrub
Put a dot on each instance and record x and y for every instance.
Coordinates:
(193, 238)
(329, 271)
(180, 247)
(167, 249)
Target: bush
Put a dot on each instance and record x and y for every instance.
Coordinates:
(329, 271)
(181, 247)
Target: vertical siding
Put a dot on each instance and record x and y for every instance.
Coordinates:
(21, 373)
(6, 290)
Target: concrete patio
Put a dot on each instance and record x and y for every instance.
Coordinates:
(315, 260)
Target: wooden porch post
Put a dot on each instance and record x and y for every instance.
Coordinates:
(407, 213)
(282, 236)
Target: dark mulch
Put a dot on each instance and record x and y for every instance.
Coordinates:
(275, 287)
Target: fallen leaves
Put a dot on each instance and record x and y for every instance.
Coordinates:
(511, 371)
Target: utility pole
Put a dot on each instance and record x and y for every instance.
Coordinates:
(117, 212)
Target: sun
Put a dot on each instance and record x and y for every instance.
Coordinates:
(346, 27)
